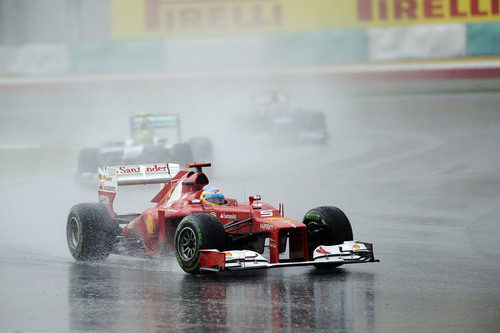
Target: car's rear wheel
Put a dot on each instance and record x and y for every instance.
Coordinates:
(90, 232)
(326, 225)
(194, 233)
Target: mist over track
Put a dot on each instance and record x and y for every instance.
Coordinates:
(417, 174)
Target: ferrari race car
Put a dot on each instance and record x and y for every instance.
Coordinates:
(145, 146)
(274, 118)
(207, 235)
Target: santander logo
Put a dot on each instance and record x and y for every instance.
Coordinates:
(137, 169)
(228, 216)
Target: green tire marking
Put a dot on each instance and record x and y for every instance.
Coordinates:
(315, 217)
(196, 265)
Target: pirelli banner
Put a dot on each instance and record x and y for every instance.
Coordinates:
(164, 18)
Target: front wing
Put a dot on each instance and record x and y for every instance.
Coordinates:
(350, 252)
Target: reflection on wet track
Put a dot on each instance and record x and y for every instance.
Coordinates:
(110, 298)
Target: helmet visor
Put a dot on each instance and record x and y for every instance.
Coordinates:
(219, 200)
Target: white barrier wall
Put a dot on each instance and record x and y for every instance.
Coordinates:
(333, 47)
(6, 57)
(35, 59)
(417, 42)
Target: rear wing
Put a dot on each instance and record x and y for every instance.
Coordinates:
(273, 99)
(153, 121)
(109, 178)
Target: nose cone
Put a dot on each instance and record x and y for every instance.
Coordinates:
(271, 224)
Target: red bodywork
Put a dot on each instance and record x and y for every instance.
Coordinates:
(181, 197)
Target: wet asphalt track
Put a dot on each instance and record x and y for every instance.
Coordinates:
(417, 175)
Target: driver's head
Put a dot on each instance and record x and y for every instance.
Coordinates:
(146, 125)
(212, 196)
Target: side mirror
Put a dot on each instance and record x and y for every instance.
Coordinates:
(253, 198)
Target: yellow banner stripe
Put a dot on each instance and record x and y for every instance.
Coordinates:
(160, 18)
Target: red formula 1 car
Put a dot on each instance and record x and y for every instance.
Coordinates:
(207, 235)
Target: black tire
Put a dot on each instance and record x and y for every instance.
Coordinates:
(90, 231)
(326, 225)
(194, 233)
(182, 153)
(88, 160)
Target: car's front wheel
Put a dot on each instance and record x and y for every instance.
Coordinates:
(326, 225)
(194, 233)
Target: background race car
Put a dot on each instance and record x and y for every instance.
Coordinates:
(154, 138)
(273, 119)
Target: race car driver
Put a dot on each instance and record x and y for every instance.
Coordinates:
(146, 134)
(212, 196)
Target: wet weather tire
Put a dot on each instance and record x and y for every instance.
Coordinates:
(194, 233)
(91, 232)
(326, 225)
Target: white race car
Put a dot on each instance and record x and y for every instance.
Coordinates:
(145, 146)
